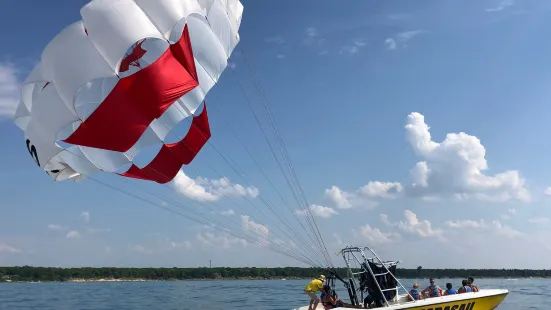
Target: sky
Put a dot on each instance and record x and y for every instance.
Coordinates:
(418, 130)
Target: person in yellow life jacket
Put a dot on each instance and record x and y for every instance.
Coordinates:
(311, 289)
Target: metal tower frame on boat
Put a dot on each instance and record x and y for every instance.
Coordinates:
(350, 253)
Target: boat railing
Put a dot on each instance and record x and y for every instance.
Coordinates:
(357, 255)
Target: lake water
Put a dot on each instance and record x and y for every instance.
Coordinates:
(258, 294)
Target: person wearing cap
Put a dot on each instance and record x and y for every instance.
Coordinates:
(414, 293)
(433, 290)
(311, 289)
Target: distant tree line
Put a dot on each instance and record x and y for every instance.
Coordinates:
(29, 273)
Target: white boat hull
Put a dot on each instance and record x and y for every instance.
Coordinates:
(485, 299)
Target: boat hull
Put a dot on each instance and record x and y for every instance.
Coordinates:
(483, 300)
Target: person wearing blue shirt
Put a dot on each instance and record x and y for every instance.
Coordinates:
(449, 290)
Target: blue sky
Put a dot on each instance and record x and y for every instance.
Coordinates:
(354, 88)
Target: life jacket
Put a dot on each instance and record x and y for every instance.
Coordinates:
(435, 290)
(415, 294)
(326, 303)
(451, 291)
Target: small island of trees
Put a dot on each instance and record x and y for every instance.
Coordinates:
(42, 274)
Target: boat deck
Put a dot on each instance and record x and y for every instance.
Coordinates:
(487, 298)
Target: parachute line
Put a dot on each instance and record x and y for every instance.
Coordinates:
(266, 105)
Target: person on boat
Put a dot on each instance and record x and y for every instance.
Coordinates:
(470, 282)
(368, 300)
(449, 290)
(414, 293)
(465, 288)
(432, 290)
(311, 289)
(330, 299)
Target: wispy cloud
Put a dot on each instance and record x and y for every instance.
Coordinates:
(353, 48)
(280, 56)
(390, 43)
(9, 90)
(398, 16)
(97, 230)
(184, 244)
(5, 248)
(275, 40)
(228, 212)
(85, 216)
(138, 248)
(56, 227)
(402, 38)
(311, 32)
(313, 37)
(73, 234)
(222, 240)
(504, 4)
(539, 220)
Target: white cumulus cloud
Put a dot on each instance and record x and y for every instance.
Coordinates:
(339, 198)
(364, 196)
(381, 189)
(202, 189)
(412, 225)
(259, 229)
(456, 167)
(319, 211)
(494, 227)
(375, 235)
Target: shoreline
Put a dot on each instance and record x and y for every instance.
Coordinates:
(93, 280)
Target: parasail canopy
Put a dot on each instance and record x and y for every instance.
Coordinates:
(120, 80)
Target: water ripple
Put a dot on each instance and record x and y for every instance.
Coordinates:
(183, 295)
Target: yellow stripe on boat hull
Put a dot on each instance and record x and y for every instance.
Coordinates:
(482, 303)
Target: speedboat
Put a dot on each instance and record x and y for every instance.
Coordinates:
(370, 274)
